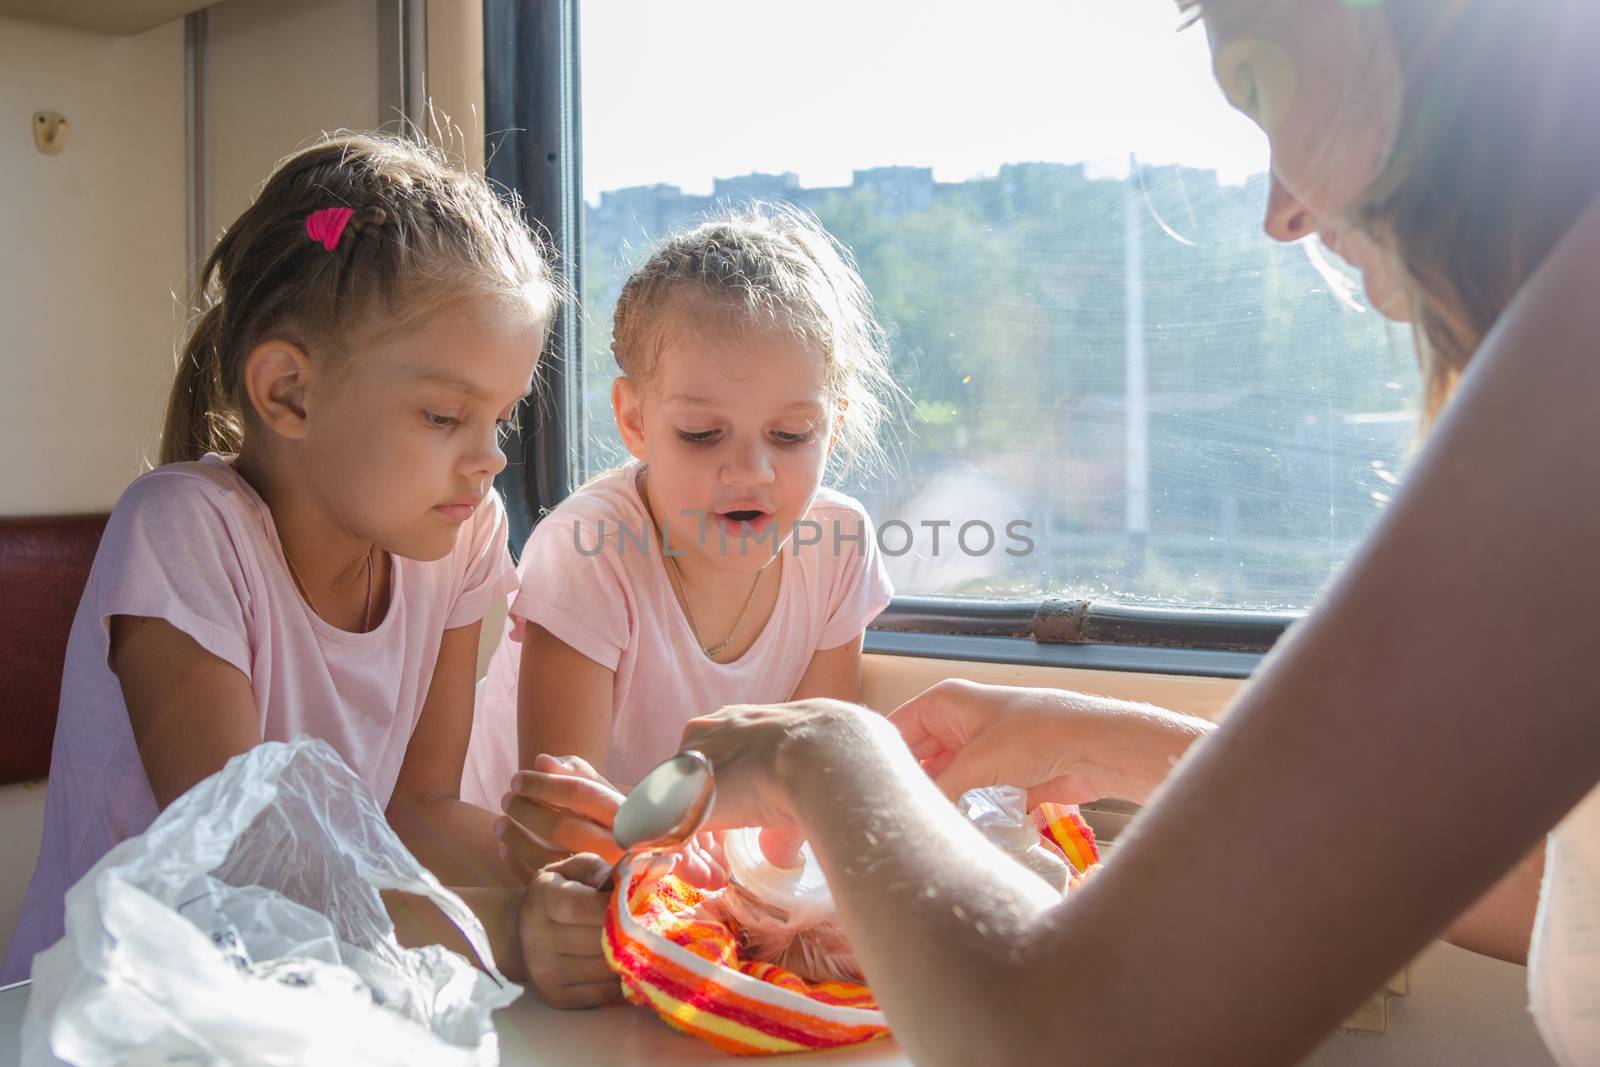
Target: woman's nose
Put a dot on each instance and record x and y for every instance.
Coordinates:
(1287, 220)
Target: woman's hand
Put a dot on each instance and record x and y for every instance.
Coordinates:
(1070, 748)
(757, 750)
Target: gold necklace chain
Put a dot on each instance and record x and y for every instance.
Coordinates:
(294, 572)
(675, 575)
(711, 651)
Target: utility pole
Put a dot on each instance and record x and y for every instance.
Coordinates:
(1137, 403)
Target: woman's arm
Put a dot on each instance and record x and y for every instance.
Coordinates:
(1500, 924)
(1079, 748)
(1396, 755)
(450, 837)
(833, 672)
(1070, 748)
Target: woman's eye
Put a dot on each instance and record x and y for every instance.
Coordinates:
(701, 437)
(440, 422)
(1249, 90)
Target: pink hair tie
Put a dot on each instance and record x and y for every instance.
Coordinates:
(327, 225)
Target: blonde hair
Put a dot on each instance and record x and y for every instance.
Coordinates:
(1497, 156)
(423, 235)
(769, 267)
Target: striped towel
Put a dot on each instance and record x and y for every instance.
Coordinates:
(693, 973)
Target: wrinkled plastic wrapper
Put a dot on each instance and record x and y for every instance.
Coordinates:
(809, 939)
(245, 927)
(1001, 814)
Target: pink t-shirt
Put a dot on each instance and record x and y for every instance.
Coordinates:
(194, 545)
(616, 606)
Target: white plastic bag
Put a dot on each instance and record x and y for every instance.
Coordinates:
(1001, 813)
(245, 927)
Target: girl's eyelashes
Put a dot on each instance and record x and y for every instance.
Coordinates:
(438, 421)
(706, 437)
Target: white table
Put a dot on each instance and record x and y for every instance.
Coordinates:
(532, 1035)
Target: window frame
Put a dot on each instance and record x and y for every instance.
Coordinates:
(533, 95)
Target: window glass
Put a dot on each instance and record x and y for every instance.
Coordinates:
(1119, 387)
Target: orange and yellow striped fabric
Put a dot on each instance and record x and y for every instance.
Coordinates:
(1061, 825)
(691, 971)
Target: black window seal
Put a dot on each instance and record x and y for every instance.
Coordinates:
(533, 123)
(1087, 634)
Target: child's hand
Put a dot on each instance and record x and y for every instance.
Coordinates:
(701, 862)
(558, 928)
(562, 805)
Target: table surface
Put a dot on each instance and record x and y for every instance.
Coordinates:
(532, 1035)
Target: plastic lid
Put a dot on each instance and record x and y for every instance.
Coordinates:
(800, 892)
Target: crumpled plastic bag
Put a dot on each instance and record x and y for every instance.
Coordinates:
(245, 927)
(1000, 812)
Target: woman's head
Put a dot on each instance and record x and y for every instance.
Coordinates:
(750, 359)
(366, 323)
(1442, 146)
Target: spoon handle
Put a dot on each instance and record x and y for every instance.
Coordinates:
(610, 881)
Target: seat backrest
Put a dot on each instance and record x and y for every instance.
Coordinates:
(44, 565)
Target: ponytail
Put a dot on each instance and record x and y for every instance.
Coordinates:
(199, 416)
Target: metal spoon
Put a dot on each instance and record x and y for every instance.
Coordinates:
(664, 810)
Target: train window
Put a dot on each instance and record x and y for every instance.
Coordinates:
(1120, 388)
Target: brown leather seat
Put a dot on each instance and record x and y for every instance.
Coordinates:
(44, 565)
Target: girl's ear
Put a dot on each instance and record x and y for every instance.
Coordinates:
(628, 407)
(277, 377)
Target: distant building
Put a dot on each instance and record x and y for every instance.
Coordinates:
(747, 187)
(899, 190)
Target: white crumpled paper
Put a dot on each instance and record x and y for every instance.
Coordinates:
(245, 927)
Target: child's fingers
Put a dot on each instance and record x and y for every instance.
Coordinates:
(532, 833)
(561, 832)
(565, 892)
(568, 765)
(701, 868)
(586, 798)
